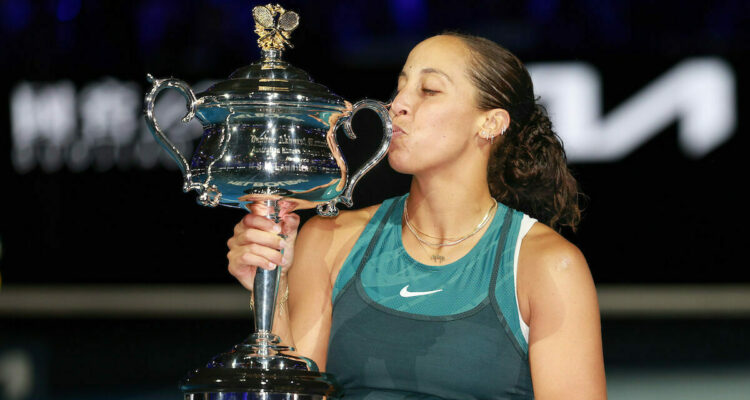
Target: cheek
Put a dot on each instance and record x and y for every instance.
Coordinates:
(451, 123)
(439, 132)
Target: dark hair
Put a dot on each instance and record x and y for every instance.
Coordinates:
(527, 169)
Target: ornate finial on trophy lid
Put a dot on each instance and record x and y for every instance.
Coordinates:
(274, 26)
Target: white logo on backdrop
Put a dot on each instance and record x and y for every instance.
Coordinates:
(101, 126)
(699, 94)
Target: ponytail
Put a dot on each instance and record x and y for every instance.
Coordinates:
(528, 171)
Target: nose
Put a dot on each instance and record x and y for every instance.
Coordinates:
(398, 105)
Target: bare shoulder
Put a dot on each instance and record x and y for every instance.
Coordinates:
(545, 251)
(345, 221)
(329, 240)
(551, 269)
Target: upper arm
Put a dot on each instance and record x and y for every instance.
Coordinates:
(565, 349)
(321, 247)
(310, 289)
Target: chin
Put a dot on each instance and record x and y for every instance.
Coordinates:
(405, 164)
(397, 164)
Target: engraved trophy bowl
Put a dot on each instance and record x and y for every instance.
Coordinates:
(268, 143)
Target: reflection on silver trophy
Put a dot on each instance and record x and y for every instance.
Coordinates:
(269, 139)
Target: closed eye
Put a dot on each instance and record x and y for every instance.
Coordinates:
(430, 92)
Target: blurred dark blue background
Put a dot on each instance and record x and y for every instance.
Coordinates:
(648, 96)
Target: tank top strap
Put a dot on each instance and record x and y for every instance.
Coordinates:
(375, 237)
(364, 244)
(502, 243)
(504, 230)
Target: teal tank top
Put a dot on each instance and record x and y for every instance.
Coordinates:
(405, 330)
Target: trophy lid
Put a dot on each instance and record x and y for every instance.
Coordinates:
(270, 80)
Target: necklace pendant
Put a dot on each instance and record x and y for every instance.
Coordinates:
(437, 258)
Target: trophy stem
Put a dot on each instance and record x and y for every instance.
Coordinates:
(260, 368)
(265, 290)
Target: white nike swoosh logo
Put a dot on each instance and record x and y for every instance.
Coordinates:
(406, 293)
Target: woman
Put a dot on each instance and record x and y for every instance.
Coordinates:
(446, 292)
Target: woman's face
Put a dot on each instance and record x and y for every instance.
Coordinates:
(435, 117)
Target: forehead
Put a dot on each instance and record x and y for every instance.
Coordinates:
(444, 53)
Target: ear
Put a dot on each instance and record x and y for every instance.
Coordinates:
(496, 122)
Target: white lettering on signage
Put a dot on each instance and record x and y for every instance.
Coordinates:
(112, 131)
(699, 94)
(42, 113)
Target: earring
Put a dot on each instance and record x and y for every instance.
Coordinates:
(503, 131)
(487, 136)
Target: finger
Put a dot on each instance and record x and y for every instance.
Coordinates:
(245, 273)
(261, 256)
(260, 222)
(262, 238)
(243, 226)
(238, 228)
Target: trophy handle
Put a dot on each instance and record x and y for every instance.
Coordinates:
(161, 138)
(329, 209)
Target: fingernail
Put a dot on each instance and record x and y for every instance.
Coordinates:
(283, 260)
(271, 266)
(277, 228)
(282, 244)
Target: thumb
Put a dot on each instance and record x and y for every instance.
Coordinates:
(290, 224)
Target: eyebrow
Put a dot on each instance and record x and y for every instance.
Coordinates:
(429, 71)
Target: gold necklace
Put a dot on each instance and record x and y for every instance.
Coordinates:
(438, 245)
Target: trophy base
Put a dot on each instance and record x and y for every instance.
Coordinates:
(250, 396)
(259, 368)
(260, 385)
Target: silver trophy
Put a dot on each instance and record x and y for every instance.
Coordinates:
(269, 140)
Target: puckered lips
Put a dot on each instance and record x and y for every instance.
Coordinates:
(397, 131)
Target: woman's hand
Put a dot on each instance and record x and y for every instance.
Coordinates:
(259, 242)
